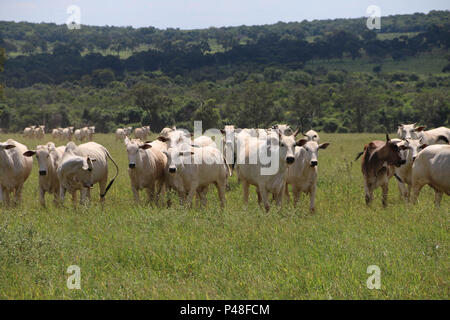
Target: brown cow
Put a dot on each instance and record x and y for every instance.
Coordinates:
(378, 166)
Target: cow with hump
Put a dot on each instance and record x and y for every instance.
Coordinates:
(302, 174)
(83, 166)
(48, 157)
(379, 160)
(15, 168)
(146, 164)
(267, 173)
(432, 167)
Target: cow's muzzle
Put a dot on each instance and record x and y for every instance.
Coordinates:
(42, 172)
(290, 160)
(132, 165)
(314, 163)
(172, 170)
(400, 163)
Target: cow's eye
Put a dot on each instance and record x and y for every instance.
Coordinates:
(283, 145)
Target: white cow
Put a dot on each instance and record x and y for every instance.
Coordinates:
(91, 132)
(284, 129)
(141, 133)
(195, 169)
(120, 134)
(28, 132)
(83, 166)
(57, 133)
(146, 168)
(439, 135)
(410, 148)
(78, 135)
(67, 133)
(14, 170)
(48, 157)
(268, 175)
(302, 174)
(204, 141)
(432, 167)
(165, 132)
(39, 132)
(176, 138)
(312, 135)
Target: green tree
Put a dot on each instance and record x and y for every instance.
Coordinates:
(209, 114)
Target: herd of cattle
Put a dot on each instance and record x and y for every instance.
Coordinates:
(177, 161)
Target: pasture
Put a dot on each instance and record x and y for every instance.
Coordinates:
(143, 252)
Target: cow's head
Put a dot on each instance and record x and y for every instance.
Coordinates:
(176, 138)
(390, 152)
(287, 147)
(413, 147)
(133, 148)
(177, 157)
(311, 135)
(46, 157)
(311, 151)
(409, 131)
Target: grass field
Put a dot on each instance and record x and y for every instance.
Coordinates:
(130, 252)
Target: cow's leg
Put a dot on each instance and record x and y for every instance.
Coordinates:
(42, 196)
(385, 190)
(279, 196)
(286, 193)
(312, 199)
(368, 189)
(415, 190)
(135, 194)
(403, 190)
(150, 192)
(264, 197)
(221, 188)
(18, 194)
(62, 193)
(85, 195)
(245, 189)
(191, 193)
(6, 196)
(74, 197)
(296, 194)
(437, 198)
(201, 194)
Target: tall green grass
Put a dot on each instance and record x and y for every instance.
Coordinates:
(143, 252)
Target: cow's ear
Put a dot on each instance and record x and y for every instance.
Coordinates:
(402, 147)
(324, 145)
(9, 146)
(29, 153)
(222, 131)
(421, 128)
(162, 139)
(301, 142)
(145, 146)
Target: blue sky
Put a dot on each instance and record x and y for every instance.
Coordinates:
(193, 14)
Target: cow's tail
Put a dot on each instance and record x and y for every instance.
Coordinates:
(443, 138)
(359, 155)
(228, 167)
(113, 179)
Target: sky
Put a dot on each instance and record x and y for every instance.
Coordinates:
(195, 14)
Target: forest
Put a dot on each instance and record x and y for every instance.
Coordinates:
(330, 75)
